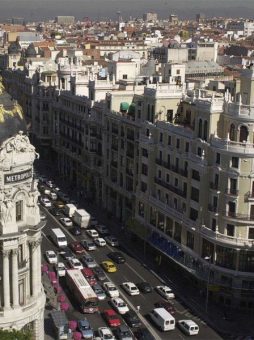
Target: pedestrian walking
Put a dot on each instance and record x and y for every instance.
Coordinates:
(138, 309)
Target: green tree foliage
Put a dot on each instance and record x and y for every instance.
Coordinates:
(15, 335)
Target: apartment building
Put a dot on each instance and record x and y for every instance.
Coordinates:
(175, 166)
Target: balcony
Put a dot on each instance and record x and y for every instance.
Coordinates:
(213, 235)
(234, 147)
(239, 216)
(213, 208)
(214, 186)
(170, 187)
(173, 168)
(231, 192)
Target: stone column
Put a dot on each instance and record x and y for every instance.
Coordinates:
(15, 278)
(6, 278)
(36, 267)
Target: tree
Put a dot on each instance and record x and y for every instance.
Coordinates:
(15, 335)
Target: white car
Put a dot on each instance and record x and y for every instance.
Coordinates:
(112, 241)
(165, 292)
(119, 305)
(45, 202)
(92, 233)
(105, 333)
(100, 242)
(188, 327)
(75, 263)
(66, 221)
(51, 256)
(111, 289)
(130, 288)
(60, 269)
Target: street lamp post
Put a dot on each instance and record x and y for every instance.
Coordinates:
(208, 258)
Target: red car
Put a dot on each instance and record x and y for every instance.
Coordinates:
(111, 318)
(89, 275)
(167, 305)
(77, 248)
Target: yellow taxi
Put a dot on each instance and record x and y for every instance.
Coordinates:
(109, 266)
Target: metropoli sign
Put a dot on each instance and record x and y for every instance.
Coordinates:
(17, 176)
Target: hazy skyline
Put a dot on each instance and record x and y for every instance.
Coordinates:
(101, 9)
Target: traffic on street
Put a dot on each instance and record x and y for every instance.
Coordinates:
(98, 285)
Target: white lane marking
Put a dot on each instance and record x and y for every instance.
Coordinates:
(134, 271)
(151, 330)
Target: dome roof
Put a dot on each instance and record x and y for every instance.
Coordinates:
(11, 116)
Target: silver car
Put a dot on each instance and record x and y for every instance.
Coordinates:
(99, 292)
(88, 261)
(85, 329)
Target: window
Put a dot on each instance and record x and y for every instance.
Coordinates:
(217, 158)
(246, 261)
(195, 175)
(125, 76)
(169, 140)
(144, 170)
(199, 152)
(145, 153)
(200, 128)
(230, 230)
(143, 186)
(19, 210)
(193, 214)
(214, 223)
(20, 253)
(21, 292)
(225, 257)
(235, 162)
(141, 209)
(178, 143)
(195, 194)
(161, 137)
(176, 182)
(177, 232)
(187, 146)
(167, 178)
(251, 233)
(170, 116)
(190, 240)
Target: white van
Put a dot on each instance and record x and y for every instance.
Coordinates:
(69, 209)
(163, 319)
(189, 327)
(59, 237)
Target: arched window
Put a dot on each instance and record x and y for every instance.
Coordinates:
(205, 130)
(200, 128)
(232, 132)
(243, 134)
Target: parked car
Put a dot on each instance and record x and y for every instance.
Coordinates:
(117, 257)
(145, 287)
(88, 261)
(77, 248)
(130, 288)
(111, 289)
(58, 204)
(85, 329)
(132, 319)
(99, 273)
(100, 242)
(165, 292)
(92, 233)
(88, 245)
(188, 327)
(111, 318)
(123, 333)
(67, 222)
(51, 256)
(60, 269)
(112, 241)
(119, 305)
(166, 305)
(75, 263)
(45, 202)
(105, 333)
(50, 184)
(99, 292)
(109, 266)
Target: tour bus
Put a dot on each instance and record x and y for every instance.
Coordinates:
(59, 237)
(82, 291)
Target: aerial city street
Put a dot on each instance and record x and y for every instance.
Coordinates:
(126, 175)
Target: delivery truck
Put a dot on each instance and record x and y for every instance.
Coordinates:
(81, 218)
(69, 209)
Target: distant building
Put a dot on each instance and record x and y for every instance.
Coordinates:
(173, 19)
(200, 17)
(150, 17)
(65, 20)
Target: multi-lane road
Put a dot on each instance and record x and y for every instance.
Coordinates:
(132, 271)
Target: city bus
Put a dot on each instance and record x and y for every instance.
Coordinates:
(82, 291)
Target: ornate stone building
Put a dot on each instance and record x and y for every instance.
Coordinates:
(22, 297)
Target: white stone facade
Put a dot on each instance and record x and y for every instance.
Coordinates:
(22, 297)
